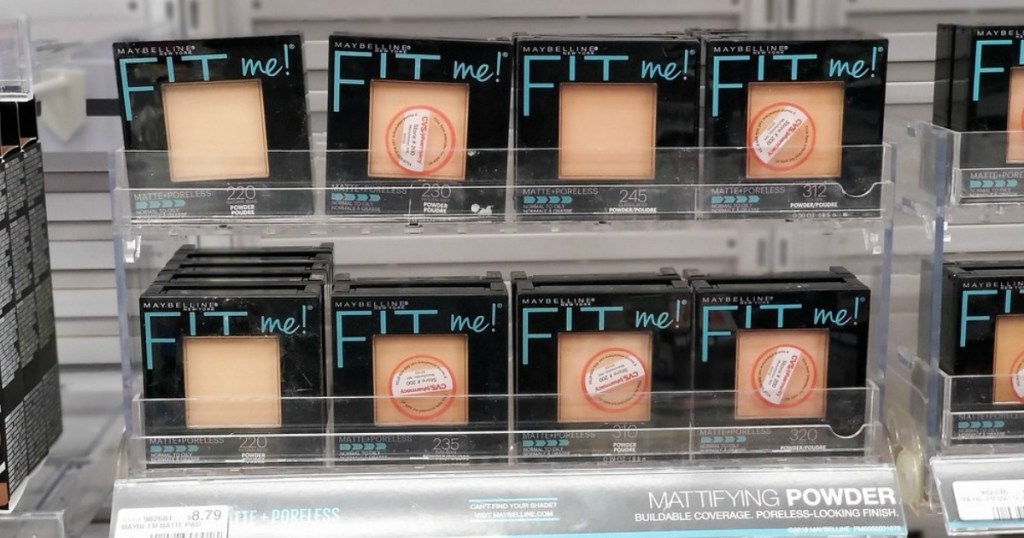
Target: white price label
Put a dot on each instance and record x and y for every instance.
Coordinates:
(989, 500)
(614, 375)
(780, 371)
(779, 130)
(173, 522)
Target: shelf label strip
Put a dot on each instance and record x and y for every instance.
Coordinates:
(564, 502)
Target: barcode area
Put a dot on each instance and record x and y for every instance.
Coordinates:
(1008, 512)
(212, 534)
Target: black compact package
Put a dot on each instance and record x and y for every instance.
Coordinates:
(772, 344)
(193, 274)
(605, 354)
(192, 258)
(417, 126)
(192, 336)
(799, 103)
(261, 166)
(979, 89)
(574, 94)
(421, 355)
(982, 347)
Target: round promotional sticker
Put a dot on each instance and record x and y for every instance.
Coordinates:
(781, 136)
(1017, 377)
(785, 375)
(614, 379)
(422, 387)
(420, 139)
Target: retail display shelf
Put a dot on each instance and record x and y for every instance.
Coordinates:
(957, 437)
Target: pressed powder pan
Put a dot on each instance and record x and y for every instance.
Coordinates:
(232, 382)
(1008, 363)
(215, 130)
(418, 129)
(794, 129)
(420, 379)
(1015, 117)
(781, 373)
(607, 131)
(604, 376)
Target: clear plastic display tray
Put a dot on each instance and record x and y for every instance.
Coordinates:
(952, 206)
(831, 477)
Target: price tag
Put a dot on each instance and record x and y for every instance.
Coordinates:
(173, 522)
(989, 500)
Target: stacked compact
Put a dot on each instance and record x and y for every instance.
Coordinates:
(30, 409)
(603, 126)
(240, 346)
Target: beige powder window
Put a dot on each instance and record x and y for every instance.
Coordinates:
(420, 379)
(604, 376)
(607, 131)
(418, 129)
(1008, 367)
(232, 382)
(781, 373)
(1015, 117)
(794, 129)
(215, 130)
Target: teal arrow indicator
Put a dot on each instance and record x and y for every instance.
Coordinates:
(741, 199)
(1011, 182)
(986, 183)
(141, 204)
(719, 439)
(179, 203)
(529, 200)
(154, 449)
(729, 199)
(563, 442)
(963, 424)
(975, 424)
(350, 197)
(566, 199)
(336, 196)
(345, 447)
(716, 199)
(730, 439)
(374, 197)
(542, 199)
(381, 446)
(357, 446)
(999, 424)
(527, 443)
(986, 424)
(193, 448)
(753, 198)
(362, 197)
(705, 440)
(1000, 183)
(168, 204)
(741, 438)
(180, 448)
(975, 184)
